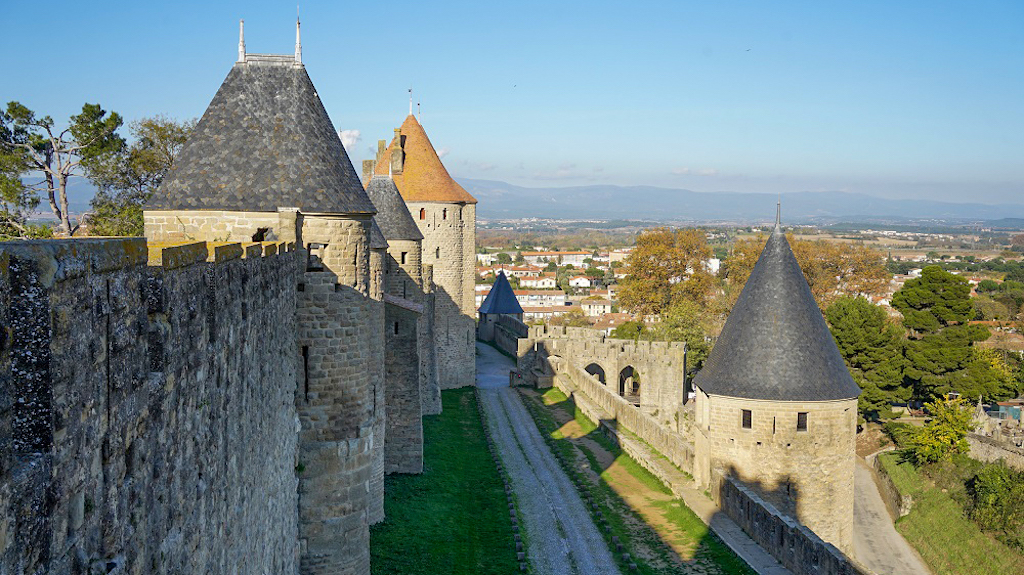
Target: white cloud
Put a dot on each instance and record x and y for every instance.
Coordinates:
(689, 172)
(349, 138)
(443, 152)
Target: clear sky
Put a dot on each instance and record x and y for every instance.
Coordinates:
(896, 99)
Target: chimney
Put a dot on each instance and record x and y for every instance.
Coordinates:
(397, 153)
(382, 145)
(368, 166)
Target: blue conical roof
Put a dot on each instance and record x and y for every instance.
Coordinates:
(501, 299)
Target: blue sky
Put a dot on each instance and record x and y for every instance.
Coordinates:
(895, 99)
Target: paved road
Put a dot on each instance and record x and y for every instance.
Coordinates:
(876, 543)
(562, 538)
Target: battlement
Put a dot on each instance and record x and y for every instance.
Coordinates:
(148, 404)
(590, 336)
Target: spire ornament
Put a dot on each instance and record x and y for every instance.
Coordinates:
(298, 37)
(241, 40)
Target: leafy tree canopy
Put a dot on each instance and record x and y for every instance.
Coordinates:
(943, 436)
(935, 300)
(666, 265)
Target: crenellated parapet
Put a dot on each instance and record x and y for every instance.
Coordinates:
(149, 402)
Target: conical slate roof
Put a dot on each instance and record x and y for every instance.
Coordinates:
(377, 241)
(775, 344)
(264, 142)
(392, 214)
(501, 298)
(423, 177)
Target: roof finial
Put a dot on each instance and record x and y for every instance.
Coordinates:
(778, 214)
(241, 40)
(298, 37)
(410, 101)
(419, 112)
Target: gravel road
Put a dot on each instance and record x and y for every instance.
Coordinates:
(561, 537)
(876, 543)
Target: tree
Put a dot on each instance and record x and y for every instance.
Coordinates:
(504, 258)
(596, 273)
(873, 349)
(128, 178)
(683, 321)
(630, 330)
(666, 265)
(519, 258)
(944, 435)
(573, 317)
(941, 358)
(34, 144)
(832, 269)
(551, 267)
(17, 201)
(987, 285)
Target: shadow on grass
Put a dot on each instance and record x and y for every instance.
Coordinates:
(453, 517)
(659, 539)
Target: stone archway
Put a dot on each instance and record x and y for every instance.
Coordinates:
(596, 369)
(629, 385)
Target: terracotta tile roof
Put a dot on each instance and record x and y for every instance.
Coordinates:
(423, 177)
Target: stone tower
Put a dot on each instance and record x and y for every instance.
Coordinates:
(446, 216)
(265, 162)
(411, 382)
(776, 407)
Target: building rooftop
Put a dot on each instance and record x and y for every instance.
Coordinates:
(423, 177)
(392, 214)
(775, 344)
(501, 299)
(264, 142)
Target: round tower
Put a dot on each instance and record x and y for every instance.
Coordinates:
(446, 216)
(265, 163)
(776, 407)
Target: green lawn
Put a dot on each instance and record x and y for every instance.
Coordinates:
(454, 517)
(950, 543)
(707, 553)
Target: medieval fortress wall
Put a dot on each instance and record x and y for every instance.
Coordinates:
(777, 485)
(151, 408)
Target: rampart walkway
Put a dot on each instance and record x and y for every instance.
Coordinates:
(563, 539)
(876, 543)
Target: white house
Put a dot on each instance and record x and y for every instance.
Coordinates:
(581, 282)
(538, 282)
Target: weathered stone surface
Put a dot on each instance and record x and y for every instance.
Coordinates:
(161, 437)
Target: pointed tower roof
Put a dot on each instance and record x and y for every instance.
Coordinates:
(377, 241)
(264, 142)
(392, 214)
(775, 344)
(501, 298)
(423, 177)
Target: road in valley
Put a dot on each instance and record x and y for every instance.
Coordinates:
(876, 543)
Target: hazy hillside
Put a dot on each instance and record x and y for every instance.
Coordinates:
(500, 199)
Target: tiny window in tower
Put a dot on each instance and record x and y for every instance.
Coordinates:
(396, 328)
(403, 257)
(747, 417)
(444, 214)
(801, 421)
(437, 253)
(423, 213)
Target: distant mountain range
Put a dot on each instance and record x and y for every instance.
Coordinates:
(504, 200)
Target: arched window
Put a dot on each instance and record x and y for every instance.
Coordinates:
(423, 213)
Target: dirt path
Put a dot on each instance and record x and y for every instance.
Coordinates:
(876, 543)
(562, 538)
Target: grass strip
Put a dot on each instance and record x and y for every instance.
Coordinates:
(453, 518)
(950, 543)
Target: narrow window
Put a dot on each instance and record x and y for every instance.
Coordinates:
(444, 214)
(423, 213)
(437, 253)
(260, 235)
(396, 328)
(305, 369)
(403, 257)
(801, 421)
(746, 419)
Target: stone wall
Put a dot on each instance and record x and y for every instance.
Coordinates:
(404, 438)
(448, 231)
(897, 503)
(795, 546)
(661, 365)
(150, 410)
(507, 332)
(987, 449)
